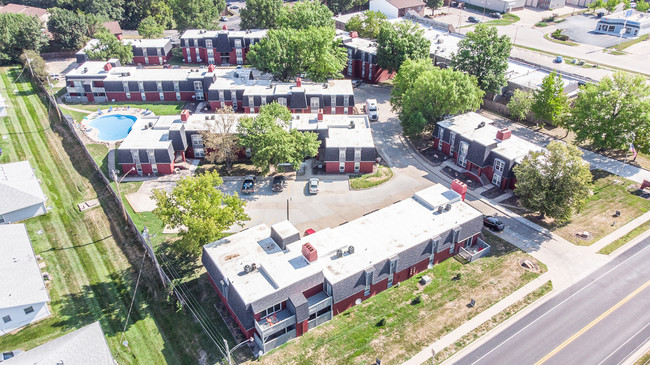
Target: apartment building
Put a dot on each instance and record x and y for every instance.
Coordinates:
(218, 47)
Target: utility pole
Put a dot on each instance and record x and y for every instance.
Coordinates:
(228, 352)
(117, 185)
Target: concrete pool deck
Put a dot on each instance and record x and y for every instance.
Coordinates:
(92, 133)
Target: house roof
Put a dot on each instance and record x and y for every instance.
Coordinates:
(113, 27)
(403, 4)
(86, 345)
(19, 187)
(376, 237)
(23, 9)
(21, 283)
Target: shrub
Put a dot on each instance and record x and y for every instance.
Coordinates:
(381, 323)
(416, 300)
(557, 34)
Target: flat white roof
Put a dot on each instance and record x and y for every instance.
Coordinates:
(307, 122)
(200, 33)
(466, 125)
(19, 187)
(146, 138)
(148, 43)
(375, 237)
(349, 137)
(22, 283)
(635, 16)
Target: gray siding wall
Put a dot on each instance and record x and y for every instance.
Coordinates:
(25, 213)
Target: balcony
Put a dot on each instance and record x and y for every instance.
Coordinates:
(319, 302)
(275, 322)
(473, 253)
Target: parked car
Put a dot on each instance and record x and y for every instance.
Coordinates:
(493, 223)
(601, 14)
(313, 186)
(9, 354)
(496, 15)
(223, 19)
(472, 19)
(54, 77)
(309, 231)
(278, 183)
(234, 7)
(248, 185)
(558, 59)
(357, 83)
(371, 110)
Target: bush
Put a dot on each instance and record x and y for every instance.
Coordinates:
(559, 36)
(541, 24)
(416, 300)
(550, 19)
(381, 323)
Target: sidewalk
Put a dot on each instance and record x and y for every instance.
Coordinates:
(597, 246)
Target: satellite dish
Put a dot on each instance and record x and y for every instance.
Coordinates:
(358, 301)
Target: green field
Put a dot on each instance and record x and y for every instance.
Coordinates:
(92, 257)
(160, 108)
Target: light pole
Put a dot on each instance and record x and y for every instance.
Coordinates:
(117, 185)
(229, 351)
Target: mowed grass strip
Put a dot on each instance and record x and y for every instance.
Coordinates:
(357, 336)
(160, 108)
(92, 258)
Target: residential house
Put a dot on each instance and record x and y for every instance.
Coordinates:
(486, 153)
(145, 51)
(84, 346)
(21, 196)
(220, 47)
(278, 286)
(40, 13)
(341, 20)
(114, 28)
(397, 8)
(23, 298)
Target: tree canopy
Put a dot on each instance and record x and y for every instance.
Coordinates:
(110, 47)
(199, 209)
(398, 42)
(149, 28)
(554, 182)
(426, 96)
(406, 77)
(606, 114)
(220, 138)
(367, 25)
(72, 30)
(260, 14)
(304, 14)
(341, 6)
(19, 32)
(550, 103)
(197, 14)
(271, 142)
(642, 6)
(434, 4)
(520, 103)
(286, 53)
(484, 54)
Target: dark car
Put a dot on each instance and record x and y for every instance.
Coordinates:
(235, 7)
(10, 354)
(472, 19)
(248, 185)
(601, 14)
(496, 15)
(278, 184)
(493, 223)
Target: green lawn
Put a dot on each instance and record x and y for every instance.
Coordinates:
(623, 45)
(99, 153)
(625, 239)
(548, 37)
(160, 108)
(507, 19)
(92, 259)
(77, 116)
(383, 174)
(357, 336)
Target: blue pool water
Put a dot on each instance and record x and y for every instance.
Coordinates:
(113, 127)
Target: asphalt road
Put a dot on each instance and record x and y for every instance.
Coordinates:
(600, 320)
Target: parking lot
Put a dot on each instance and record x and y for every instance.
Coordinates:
(580, 28)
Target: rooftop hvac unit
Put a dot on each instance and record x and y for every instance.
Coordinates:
(207, 117)
(440, 40)
(247, 269)
(339, 253)
(253, 266)
(447, 207)
(150, 124)
(350, 249)
(440, 208)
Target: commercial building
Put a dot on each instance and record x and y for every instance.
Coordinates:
(277, 285)
(502, 6)
(21, 195)
(84, 346)
(218, 47)
(630, 23)
(486, 153)
(23, 296)
(159, 145)
(397, 8)
(145, 51)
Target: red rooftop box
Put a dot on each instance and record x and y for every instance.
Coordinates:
(459, 187)
(309, 252)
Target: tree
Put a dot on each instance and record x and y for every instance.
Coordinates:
(434, 95)
(149, 28)
(434, 4)
(367, 25)
(406, 77)
(286, 53)
(606, 114)
(520, 104)
(642, 6)
(550, 103)
(108, 46)
(270, 141)
(610, 5)
(341, 6)
(305, 14)
(553, 182)
(597, 4)
(199, 209)
(162, 13)
(399, 42)
(110, 9)
(260, 14)
(36, 64)
(197, 14)
(70, 30)
(19, 32)
(220, 140)
(484, 54)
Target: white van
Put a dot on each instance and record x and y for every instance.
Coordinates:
(371, 110)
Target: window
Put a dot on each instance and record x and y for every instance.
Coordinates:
(162, 96)
(251, 101)
(221, 95)
(342, 154)
(341, 166)
(141, 86)
(452, 142)
(144, 96)
(208, 43)
(357, 154)
(237, 43)
(263, 100)
(496, 180)
(6, 319)
(125, 86)
(197, 140)
(314, 103)
(333, 101)
(441, 132)
(357, 166)
(282, 101)
(199, 152)
(499, 165)
(346, 100)
(128, 95)
(464, 147)
(159, 86)
(238, 52)
(198, 85)
(152, 157)
(29, 310)
(366, 291)
(391, 274)
(176, 87)
(270, 310)
(178, 96)
(328, 288)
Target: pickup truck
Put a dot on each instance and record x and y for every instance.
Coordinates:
(248, 185)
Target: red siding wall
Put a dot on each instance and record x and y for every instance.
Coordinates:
(165, 168)
(247, 332)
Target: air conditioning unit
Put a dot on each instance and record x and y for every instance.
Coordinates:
(440, 208)
(350, 249)
(447, 207)
(247, 269)
(339, 253)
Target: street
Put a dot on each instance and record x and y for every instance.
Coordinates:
(600, 320)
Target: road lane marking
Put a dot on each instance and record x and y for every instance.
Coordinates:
(593, 323)
(559, 304)
(625, 343)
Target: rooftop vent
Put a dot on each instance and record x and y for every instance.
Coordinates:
(85, 69)
(250, 268)
(339, 253)
(447, 207)
(440, 208)
(503, 134)
(309, 252)
(351, 126)
(350, 249)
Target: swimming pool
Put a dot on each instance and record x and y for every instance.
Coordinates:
(113, 127)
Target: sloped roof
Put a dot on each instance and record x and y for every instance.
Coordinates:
(403, 4)
(113, 27)
(21, 283)
(19, 187)
(23, 9)
(84, 346)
